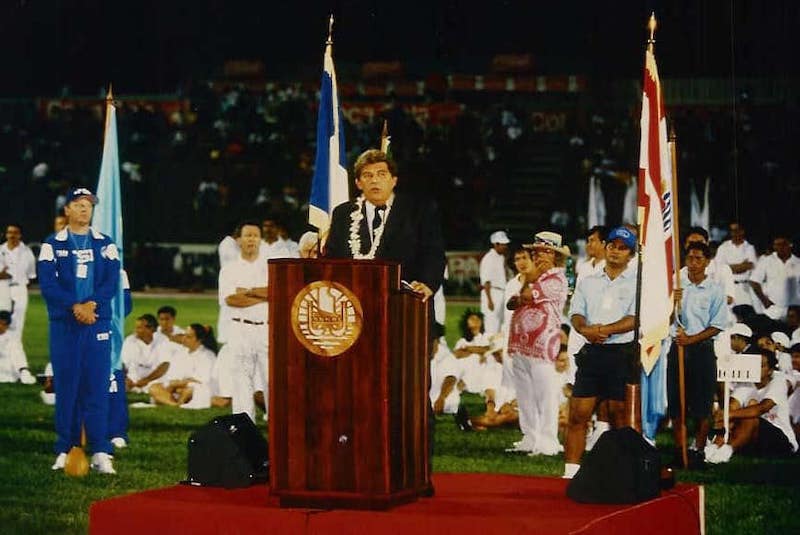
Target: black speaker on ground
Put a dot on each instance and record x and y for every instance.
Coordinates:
(229, 452)
(621, 468)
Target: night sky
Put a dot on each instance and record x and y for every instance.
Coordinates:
(151, 46)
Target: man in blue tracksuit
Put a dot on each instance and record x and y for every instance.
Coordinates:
(79, 273)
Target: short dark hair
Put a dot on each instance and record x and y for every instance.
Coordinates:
(370, 157)
(520, 248)
(698, 230)
(247, 223)
(15, 225)
(601, 230)
(5, 316)
(166, 309)
(149, 320)
(772, 360)
(702, 247)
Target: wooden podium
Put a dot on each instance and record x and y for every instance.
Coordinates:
(348, 385)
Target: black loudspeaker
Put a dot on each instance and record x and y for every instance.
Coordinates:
(621, 468)
(229, 452)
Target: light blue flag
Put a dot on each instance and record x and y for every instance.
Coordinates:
(329, 187)
(108, 220)
(654, 392)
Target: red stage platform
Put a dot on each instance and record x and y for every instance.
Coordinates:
(464, 504)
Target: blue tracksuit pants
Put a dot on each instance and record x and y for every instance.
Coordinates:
(81, 358)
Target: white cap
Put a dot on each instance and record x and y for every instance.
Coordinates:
(499, 237)
(781, 338)
(742, 330)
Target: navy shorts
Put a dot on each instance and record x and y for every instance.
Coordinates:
(604, 370)
(771, 442)
(700, 377)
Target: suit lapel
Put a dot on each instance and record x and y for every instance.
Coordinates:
(393, 223)
(364, 232)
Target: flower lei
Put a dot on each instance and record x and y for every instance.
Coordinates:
(356, 216)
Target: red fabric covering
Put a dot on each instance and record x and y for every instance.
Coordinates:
(464, 504)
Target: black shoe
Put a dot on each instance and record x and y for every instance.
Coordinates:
(462, 419)
(697, 460)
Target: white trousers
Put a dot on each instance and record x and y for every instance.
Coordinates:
(249, 351)
(492, 319)
(19, 300)
(537, 385)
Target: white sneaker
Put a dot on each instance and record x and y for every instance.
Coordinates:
(102, 463)
(594, 437)
(48, 398)
(721, 454)
(61, 460)
(119, 443)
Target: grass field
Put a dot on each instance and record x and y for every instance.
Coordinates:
(748, 496)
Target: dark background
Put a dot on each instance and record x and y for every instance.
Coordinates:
(157, 46)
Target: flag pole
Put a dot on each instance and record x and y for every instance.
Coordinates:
(673, 150)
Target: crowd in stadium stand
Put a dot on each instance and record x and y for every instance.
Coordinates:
(217, 151)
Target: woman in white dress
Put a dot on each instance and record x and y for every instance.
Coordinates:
(188, 382)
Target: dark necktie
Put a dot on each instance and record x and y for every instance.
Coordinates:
(378, 219)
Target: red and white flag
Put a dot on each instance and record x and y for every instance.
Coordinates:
(655, 214)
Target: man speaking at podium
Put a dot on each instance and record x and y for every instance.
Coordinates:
(383, 224)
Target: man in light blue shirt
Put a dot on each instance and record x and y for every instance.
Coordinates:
(703, 314)
(602, 311)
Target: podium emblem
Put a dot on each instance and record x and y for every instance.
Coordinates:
(326, 318)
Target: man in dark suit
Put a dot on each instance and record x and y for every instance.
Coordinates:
(383, 224)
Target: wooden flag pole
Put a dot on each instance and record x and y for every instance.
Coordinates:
(673, 150)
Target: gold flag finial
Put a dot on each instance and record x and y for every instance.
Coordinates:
(385, 137)
(330, 31)
(109, 95)
(651, 26)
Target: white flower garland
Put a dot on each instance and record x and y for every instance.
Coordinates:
(356, 216)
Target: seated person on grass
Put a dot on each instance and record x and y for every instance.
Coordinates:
(166, 324)
(480, 358)
(446, 373)
(759, 417)
(146, 357)
(13, 362)
(188, 382)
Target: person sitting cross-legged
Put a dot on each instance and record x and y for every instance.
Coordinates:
(188, 382)
(760, 423)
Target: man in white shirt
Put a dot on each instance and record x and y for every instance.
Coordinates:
(243, 287)
(775, 280)
(17, 267)
(146, 357)
(741, 257)
(595, 253)
(166, 324)
(275, 245)
(493, 282)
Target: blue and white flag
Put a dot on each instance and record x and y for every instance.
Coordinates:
(108, 220)
(329, 187)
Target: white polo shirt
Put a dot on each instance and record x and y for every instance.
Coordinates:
(779, 279)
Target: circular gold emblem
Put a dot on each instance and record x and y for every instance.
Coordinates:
(326, 318)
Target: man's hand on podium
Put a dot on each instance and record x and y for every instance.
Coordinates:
(419, 288)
